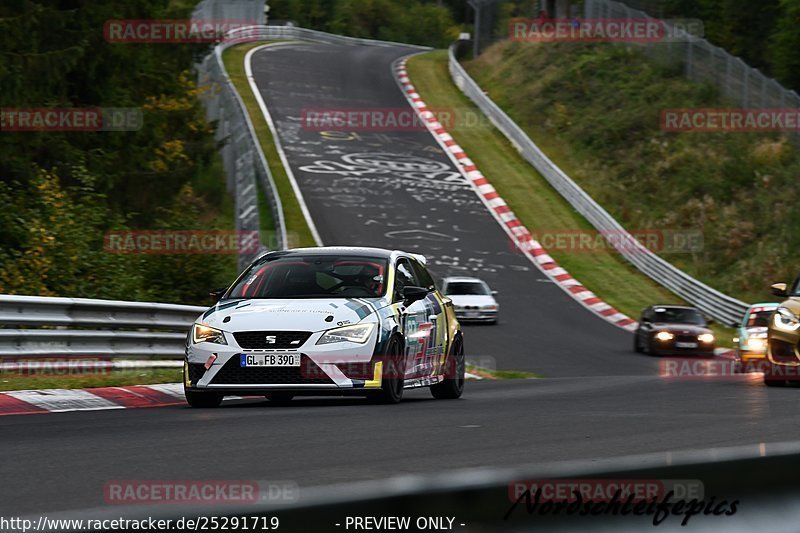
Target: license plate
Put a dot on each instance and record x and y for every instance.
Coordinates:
(471, 315)
(269, 359)
(686, 345)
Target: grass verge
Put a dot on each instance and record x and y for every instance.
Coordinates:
(296, 227)
(532, 198)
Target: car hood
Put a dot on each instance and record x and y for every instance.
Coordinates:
(288, 314)
(472, 299)
(682, 329)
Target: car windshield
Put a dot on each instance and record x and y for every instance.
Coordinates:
(678, 315)
(759, 318)
(313, 276)
(464, 288)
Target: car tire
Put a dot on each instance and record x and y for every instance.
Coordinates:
(279, 397)
(455, 365)
(637, 346)
(391, 390)
(651, 349)
(203, 400)
(771, 381)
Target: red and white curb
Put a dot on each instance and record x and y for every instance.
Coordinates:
(27, 402)
(30, 402)
(518, 233)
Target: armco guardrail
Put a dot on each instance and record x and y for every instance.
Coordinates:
(721, 307)
(168, 325)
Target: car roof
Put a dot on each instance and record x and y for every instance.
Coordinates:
(358, 251)
(463, 279)
(765, 304)
(671, 306)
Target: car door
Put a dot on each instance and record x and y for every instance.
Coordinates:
(439, 338)
(414, 319)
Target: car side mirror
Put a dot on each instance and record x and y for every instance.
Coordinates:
(217, 294)
(494, 293)
(412, 294)
(709, 321)
(779, 289)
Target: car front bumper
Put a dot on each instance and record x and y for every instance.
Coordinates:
(326, 367)
(476, 315)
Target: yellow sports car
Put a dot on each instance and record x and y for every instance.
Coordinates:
(783, 336)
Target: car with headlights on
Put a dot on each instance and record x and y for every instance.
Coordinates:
(328, 320)
(751, 337)
(473, 299)
(673, 330)
(783, 337)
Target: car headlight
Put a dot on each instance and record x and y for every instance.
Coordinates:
(664, 336)
(358, 333)
(706, 338)
(202, 333)
(490, 307)
(755, 343)
(786, 320)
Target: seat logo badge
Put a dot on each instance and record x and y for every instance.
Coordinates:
(271, 339)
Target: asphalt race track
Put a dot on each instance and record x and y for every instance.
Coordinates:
(598, 399)
(62, 461)
(367, 189)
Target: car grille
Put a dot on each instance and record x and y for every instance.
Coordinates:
(686, 338)
(196, 371)
(307, 373)
(257, 340)
(782, 352)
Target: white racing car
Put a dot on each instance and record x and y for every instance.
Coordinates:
(326, 321)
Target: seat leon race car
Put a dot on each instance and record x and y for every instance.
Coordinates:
(320, 321)
(673, 330)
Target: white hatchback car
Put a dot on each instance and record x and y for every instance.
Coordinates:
(472, 298)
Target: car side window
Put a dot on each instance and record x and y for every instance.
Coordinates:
(424, 277)
(403, 277)
(795, 289)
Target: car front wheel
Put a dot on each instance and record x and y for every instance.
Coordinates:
(203, 400)
(393, 379)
